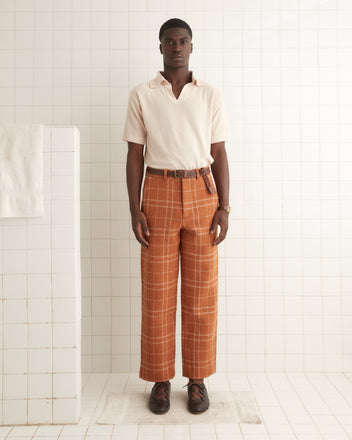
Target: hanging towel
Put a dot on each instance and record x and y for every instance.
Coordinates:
(21, 170)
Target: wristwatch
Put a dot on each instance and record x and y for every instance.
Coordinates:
(227, 208)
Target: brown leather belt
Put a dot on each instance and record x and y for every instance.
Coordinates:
(185, 174)
(179, 173)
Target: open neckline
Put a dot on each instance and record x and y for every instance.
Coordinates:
(169, 86)
(181, 93)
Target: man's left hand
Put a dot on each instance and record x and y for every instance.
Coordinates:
(221, 218)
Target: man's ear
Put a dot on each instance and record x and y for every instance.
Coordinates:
(160, 48)
(191, 47)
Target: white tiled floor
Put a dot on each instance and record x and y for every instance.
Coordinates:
(310, 406)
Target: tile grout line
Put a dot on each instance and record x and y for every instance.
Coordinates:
(244, 162)
(285, 374)
(260, 68)
(90, 424)
(340, 241)
(327, 376)
(27, 251)
(51, 280)
(323, 400)
(321, 259)
(284, 345)
(110, 202)
(302, 402)
(257, 405)
(51, 214)
(91, 240)
(299, 101)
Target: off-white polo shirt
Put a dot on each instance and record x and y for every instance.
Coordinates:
(177, 132)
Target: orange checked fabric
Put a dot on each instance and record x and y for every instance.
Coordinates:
(179, 213)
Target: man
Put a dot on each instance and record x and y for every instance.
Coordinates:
(182, 122)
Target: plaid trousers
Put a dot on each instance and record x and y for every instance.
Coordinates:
(179, 212)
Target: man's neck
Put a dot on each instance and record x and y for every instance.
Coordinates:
(177, 76)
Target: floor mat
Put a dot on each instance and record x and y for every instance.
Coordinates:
(225, 407)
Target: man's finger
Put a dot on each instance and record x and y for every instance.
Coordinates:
(218, 240)
(214, 224)
(140, 236)
(221, 236)
(144, 243)
(145, 226)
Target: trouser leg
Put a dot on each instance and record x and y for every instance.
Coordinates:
(159, 271)
(199, 289)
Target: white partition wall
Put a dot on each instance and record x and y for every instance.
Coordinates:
(40, 291)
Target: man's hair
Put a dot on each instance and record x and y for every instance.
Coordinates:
(174, 23)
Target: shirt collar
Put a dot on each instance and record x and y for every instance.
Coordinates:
(160, 80)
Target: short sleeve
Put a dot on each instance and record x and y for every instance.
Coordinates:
(219, 122)
(134, 130)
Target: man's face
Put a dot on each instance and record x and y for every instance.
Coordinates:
(176, 47)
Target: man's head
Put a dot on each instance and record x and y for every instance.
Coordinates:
(175, 37)
(175, 23)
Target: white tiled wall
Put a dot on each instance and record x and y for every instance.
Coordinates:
(285, 69)
(40, 296)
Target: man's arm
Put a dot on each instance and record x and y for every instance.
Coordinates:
(134, 175)
(220, 170)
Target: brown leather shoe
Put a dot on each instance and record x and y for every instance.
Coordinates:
(159, 401)
(198, 400)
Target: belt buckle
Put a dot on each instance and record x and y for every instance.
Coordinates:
(175, 173)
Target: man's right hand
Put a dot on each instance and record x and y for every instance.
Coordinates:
(140, 228)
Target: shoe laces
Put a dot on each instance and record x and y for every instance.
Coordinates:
(196, 390)
(161, 390)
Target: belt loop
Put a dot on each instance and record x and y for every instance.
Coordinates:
(197, 171)
(165, 174)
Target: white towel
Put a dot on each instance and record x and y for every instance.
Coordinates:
(21, 170)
